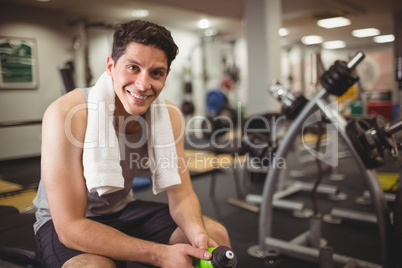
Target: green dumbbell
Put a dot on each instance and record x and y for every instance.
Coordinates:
(222, 257)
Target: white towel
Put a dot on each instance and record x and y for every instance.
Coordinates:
(101, 157)
(161, 147)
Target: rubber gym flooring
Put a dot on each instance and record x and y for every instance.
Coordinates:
(354, 239)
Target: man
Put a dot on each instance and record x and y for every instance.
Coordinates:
(76, 228)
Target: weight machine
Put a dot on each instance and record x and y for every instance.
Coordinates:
(309, 246)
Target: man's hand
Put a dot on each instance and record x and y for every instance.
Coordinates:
(203, 241)
(182, 255)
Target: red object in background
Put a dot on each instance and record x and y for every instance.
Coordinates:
(384, 108)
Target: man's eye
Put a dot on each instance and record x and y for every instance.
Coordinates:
(157, 73)
(134, 67)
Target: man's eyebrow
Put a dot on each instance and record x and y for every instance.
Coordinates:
(132, 62)
(161, 68)
(164, 69)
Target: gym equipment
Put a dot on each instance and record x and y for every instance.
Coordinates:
(260, 144)
(222, 257)
(260, 141)
(307, 246)
(340, 77)
(372, 137)
(397, 231)
(216, 99)
(399, 71)
(66, 74)
(217, 124)
(292, 103)
(187, 107)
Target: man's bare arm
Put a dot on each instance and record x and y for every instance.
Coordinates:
(62, 172)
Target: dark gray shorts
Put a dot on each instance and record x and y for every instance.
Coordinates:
(141, 219)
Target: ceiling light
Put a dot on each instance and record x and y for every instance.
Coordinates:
(384, 38)
(334, 44)
(140, 13)
(203, 24)
(312, 39)
(365, 32)
(43, 0)
(333, 22)
(283, 32)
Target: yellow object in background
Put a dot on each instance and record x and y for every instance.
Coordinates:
(388, 181)
(22, 201)
(350, 94)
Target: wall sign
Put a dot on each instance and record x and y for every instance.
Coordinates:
(18, 63)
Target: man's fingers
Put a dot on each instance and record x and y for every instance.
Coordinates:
(198, 253)
(203, 245)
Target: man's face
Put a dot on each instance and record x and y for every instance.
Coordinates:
(139, 76)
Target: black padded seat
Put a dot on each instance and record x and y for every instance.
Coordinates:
(17, 244)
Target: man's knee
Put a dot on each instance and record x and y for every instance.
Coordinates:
(217, 231)
(89, 260)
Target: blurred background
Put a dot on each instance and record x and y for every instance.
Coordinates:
(230, 51)
(236, 47)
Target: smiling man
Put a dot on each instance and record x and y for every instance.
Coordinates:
(79, 228)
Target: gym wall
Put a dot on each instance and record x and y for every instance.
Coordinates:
(54, 44)
(52, 41)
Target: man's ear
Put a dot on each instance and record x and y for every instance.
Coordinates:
(109, 65)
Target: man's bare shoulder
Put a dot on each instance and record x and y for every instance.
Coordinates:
(66, 116)
(70, 104)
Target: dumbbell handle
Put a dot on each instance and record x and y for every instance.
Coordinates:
(357, 58)
(393, 128)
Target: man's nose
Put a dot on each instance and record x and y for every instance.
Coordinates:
(143, 82)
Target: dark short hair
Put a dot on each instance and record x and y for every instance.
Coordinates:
(146, 33)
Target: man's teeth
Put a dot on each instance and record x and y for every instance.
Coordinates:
(138, 96)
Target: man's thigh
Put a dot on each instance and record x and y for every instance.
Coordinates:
(141, 219)
(89, 261)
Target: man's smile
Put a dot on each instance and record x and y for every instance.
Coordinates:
(141, 97)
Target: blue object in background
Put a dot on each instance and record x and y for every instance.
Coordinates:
(216, 99)
(141, 183)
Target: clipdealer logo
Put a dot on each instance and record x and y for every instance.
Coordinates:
(330, 155)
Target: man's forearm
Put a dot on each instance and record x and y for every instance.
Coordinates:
(93, 237)
(187, 215)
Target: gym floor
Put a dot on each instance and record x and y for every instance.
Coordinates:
(354, 239)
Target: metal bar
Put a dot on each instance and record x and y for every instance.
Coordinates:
(370, 176)
(312, 254)
(326, 260)
(20, 123)
(315, 232)
(353, 215)
(239, 190)
(301, 239)
(270, 186)
(322, 188)
(254, 205)
(393, 128)
(243, 204)
(356, 59)
(388, 196)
